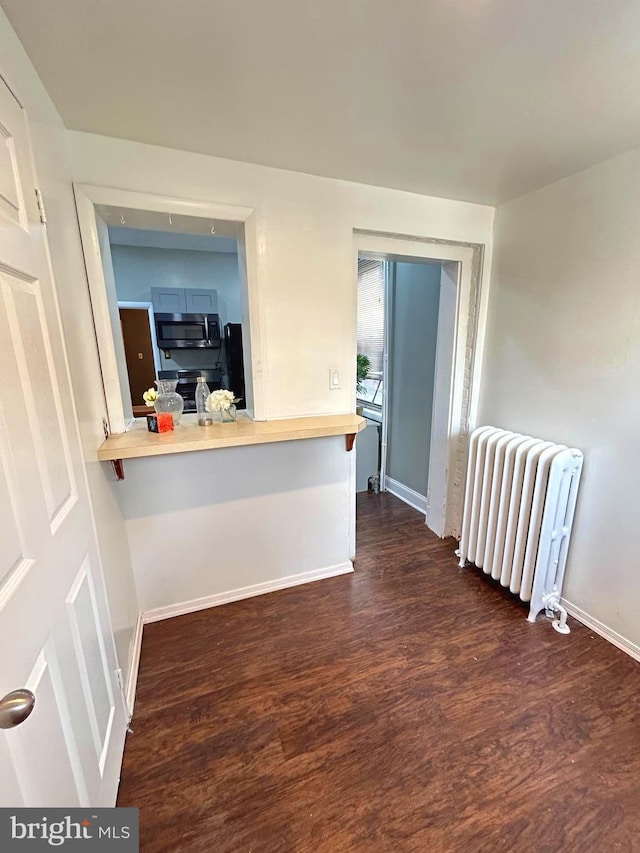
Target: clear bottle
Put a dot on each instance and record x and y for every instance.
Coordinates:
(205, 418)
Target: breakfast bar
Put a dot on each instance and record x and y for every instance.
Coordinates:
(187, 437)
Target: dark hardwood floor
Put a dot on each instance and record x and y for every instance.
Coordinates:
(406, 707)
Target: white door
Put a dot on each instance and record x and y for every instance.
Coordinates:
(55, 634)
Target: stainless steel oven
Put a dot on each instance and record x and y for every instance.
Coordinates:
(188, 380)
(188, 331)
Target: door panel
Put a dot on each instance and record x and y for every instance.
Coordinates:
(55, 634)
(169, 300)
(91, 660)
(40, 749)
(24, 313)
(10, 201)
(14, 162)
(9, 786)
(11, 554)
(201, 301)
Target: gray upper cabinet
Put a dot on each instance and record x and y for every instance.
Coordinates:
(169, 300)
(201, 301)
(184, 300)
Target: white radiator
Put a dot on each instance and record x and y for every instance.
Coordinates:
(519, 504)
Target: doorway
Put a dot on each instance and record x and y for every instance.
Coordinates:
(421, 398)
(398, 308)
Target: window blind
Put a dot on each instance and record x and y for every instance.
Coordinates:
(371, 314)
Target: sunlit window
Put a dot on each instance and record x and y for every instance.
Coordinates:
(371, 277)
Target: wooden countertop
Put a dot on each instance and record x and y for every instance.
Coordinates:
(188, 436)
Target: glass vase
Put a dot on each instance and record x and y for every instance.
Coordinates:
(168, 399)
(226, 416)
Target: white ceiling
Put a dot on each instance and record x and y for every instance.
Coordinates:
(470, 99)
(133, 225)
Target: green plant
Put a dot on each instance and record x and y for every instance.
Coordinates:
(363, 363)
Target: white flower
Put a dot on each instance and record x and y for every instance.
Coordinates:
(220, 400)
(150, 396)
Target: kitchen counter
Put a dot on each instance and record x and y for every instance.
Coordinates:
(188, 436)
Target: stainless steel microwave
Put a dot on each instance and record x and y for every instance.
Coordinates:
(188, 331)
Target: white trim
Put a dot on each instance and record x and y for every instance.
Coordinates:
(113, 392)
(409, 496)
(253, 347)
(87, 197)
(117, 197)
(449, 452)
(600, 628)
(245, 592)
(442, 414)
(134, 664)
(152, 328)
(389, 299)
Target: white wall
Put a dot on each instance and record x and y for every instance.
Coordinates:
(412, 362)
(235, 518)
(305, 251)
(49, 140)
(306, 266)
(563, 362)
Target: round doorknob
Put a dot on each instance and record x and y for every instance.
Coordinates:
(15, 707)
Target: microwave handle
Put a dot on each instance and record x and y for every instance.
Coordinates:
(207, 329)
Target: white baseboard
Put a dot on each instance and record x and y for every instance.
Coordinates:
(183, 607)
(414, 499)
(599, 628)
(134, 664)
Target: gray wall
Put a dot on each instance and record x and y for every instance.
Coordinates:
(416, 297)
(138, 268)
(367, 454)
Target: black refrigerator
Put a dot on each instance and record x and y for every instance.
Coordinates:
(235, 361)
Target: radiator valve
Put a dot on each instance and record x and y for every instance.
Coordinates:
(552, 605)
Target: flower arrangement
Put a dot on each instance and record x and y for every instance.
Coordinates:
(150, 396)
(221, 401)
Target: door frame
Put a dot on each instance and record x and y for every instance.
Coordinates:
(152, 327)
(458, 363)
(88, 197)
(387, 345)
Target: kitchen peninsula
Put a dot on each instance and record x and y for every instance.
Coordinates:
(188, 436)
(261, 505)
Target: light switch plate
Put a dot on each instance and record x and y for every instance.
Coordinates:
(334, 378)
